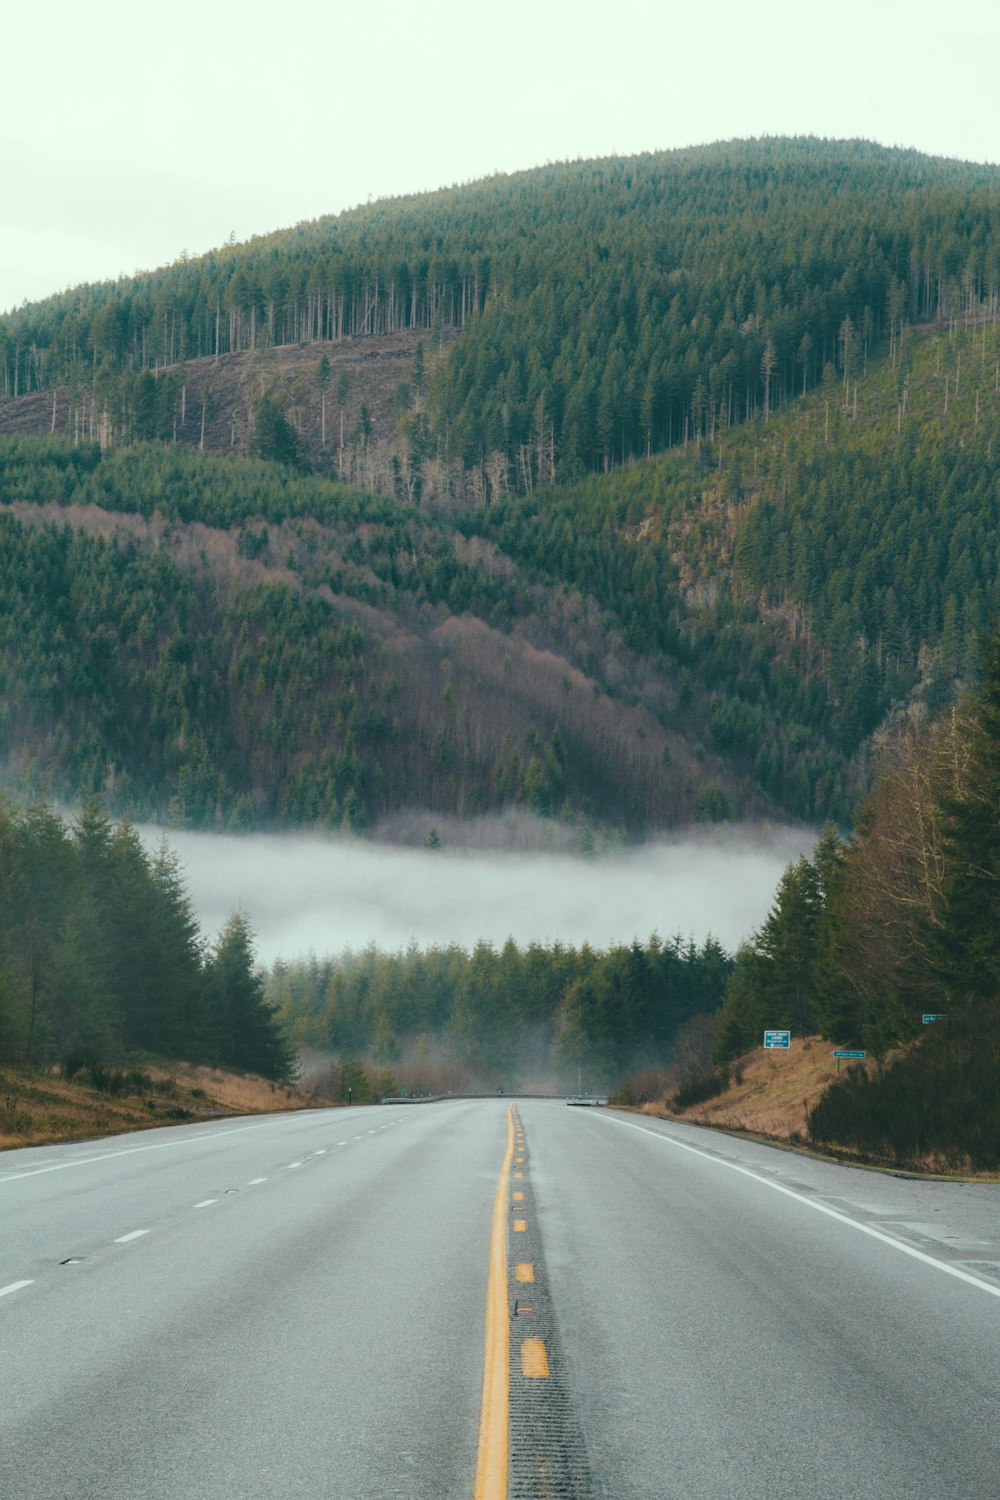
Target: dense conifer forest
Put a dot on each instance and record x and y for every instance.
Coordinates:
(504, 1017)
(512, 585)
(722, 629)
(607, 309)
(895, 923)
(217, 643)
(101, 959)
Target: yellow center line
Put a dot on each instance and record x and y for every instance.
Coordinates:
(491, 1464)
(518, 1197)
(525, 1271)
(520, 1226)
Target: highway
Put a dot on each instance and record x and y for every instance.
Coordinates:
(490, 1298)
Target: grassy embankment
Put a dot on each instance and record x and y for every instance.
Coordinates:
(38, 1109)
(769, 1097)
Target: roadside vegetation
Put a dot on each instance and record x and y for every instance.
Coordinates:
(40, 1106)
(897, 923)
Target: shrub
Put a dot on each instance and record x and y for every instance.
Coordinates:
(703, 1086)
(937, 1098)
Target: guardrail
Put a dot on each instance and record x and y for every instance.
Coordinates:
(436, 1098)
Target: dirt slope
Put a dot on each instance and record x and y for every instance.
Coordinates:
(38, 1109)
(771, 1093)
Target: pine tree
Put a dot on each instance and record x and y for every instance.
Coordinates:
(176, 960)
(42, 895)
(274, 437)
(243, 1031)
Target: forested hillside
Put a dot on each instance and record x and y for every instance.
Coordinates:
(220, 643)
(896, 924)
(512, 596)
(824, 574)
(605, 309)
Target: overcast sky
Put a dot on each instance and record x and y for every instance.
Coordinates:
(131, 131)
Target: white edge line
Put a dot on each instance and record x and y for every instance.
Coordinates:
(15, 1286)
(820, 1208)
(254, 1181)
(206, 1202)
(136, 1234)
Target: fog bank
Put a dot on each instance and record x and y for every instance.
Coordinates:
(310, 894)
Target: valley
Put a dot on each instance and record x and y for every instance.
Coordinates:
(622, 496)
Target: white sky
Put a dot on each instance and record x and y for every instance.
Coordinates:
(132, 131)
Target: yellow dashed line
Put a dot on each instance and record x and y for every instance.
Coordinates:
(524, 1271)
(534, 1360)
(517, 1196)
(520, 1226)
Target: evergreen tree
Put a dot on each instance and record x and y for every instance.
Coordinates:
(176, 960)
(274, 437)
(968, 938)
(243, 1032)
(41, 895)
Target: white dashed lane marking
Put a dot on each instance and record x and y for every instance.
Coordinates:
(135, 1234)
(15, 1286)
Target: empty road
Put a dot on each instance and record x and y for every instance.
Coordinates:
(313, 1305)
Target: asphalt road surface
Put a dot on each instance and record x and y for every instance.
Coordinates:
(295, 1306)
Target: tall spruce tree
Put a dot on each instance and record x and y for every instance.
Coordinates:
(243, 1030)
(176, 960)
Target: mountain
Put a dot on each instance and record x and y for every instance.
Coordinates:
(605, 309)
(635, 490)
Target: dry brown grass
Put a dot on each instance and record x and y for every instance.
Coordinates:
(39, 1109)
(771, 1093)
(770, 1097)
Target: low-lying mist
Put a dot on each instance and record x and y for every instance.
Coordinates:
(304, 893)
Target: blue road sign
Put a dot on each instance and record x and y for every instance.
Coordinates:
(777, 1039)
(841, 1052)
(929, 1019)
